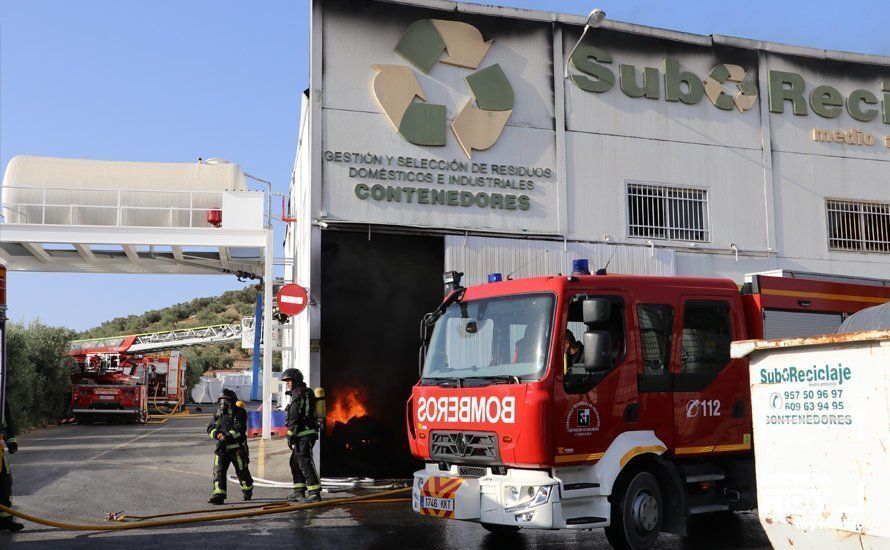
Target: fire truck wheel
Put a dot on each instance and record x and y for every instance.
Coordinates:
(637, 511)
(500, 529)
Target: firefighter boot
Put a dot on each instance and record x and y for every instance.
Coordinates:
(312, 496)
(248, 494)
(7, 524)
(217, 499)
(297, 495)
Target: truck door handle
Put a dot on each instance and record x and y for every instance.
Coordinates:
(632, 412)
(738, 409)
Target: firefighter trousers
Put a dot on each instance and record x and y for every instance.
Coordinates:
(5, 485)
(236, 457)
(302, 465)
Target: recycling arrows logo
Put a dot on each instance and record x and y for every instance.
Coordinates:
(483, 116)
(745, 96)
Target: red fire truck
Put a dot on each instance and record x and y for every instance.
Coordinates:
(642, 423)
(106, 384)
(103, 385)
(122, 377)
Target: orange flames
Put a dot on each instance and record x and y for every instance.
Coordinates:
(347, 404)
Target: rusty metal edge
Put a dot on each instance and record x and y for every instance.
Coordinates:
(743, 348)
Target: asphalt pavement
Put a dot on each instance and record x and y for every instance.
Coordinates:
(77, 474)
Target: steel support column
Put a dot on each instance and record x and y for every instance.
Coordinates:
(267, 334)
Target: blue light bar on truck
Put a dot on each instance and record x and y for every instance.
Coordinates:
(580, 267)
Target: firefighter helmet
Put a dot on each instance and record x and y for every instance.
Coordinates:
(292, 374)
(228, 394)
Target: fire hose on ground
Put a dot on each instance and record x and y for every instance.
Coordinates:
(154, 402)
(121, 522)
(330, 484)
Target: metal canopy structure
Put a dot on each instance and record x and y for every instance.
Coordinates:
(165, 230)
(93, 249)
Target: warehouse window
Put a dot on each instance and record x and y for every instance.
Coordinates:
(858, 225)
(671, 213)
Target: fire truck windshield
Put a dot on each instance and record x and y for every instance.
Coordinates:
(505, 337)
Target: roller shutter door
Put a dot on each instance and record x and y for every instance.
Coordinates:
(798, 324)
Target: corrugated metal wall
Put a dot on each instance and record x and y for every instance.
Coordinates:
(478, 256)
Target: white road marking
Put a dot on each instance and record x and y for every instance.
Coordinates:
(333, 517)
(46, 465)
(104, 446)
(122, 445)
(182, 436)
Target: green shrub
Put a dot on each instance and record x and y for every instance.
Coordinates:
(38, 377)
(197, 312)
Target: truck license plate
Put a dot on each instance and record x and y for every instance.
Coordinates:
(446, 504)
(108, 397)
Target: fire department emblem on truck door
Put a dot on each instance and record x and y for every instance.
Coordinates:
(583, 419)
(483, 116)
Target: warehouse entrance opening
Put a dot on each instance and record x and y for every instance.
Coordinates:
(374, 293)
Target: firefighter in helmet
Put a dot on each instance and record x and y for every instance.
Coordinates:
(6, 521)
(229, 429)
(302, 433)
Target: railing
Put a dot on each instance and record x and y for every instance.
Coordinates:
(109, 207)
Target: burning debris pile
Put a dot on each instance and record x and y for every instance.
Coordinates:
(356, 442)
(347, 404)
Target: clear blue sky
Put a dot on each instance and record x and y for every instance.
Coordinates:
(173, 80)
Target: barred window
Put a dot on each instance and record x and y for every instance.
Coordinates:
(858, 225)
(672, 213)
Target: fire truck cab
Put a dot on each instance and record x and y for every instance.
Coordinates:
(591, 401)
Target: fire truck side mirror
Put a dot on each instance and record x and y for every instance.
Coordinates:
(597, 350)
(596, 310)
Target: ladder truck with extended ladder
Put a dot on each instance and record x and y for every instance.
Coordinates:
(120, 377)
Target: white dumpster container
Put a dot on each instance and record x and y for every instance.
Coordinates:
(821, 409)
(207, 390)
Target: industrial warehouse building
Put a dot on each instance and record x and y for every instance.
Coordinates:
(444, 136)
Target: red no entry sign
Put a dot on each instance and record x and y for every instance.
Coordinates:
(292, 299)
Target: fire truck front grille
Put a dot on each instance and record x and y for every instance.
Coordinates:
(465, 447)
(471, 471)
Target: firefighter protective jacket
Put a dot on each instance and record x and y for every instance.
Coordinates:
(8, 426)
(233, 423)
(301, 413)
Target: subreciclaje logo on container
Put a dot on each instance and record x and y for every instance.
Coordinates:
(814, 374)
(484, 114)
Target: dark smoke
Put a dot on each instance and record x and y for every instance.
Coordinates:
(373, 295)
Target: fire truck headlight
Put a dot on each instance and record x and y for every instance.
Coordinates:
(522, 497)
